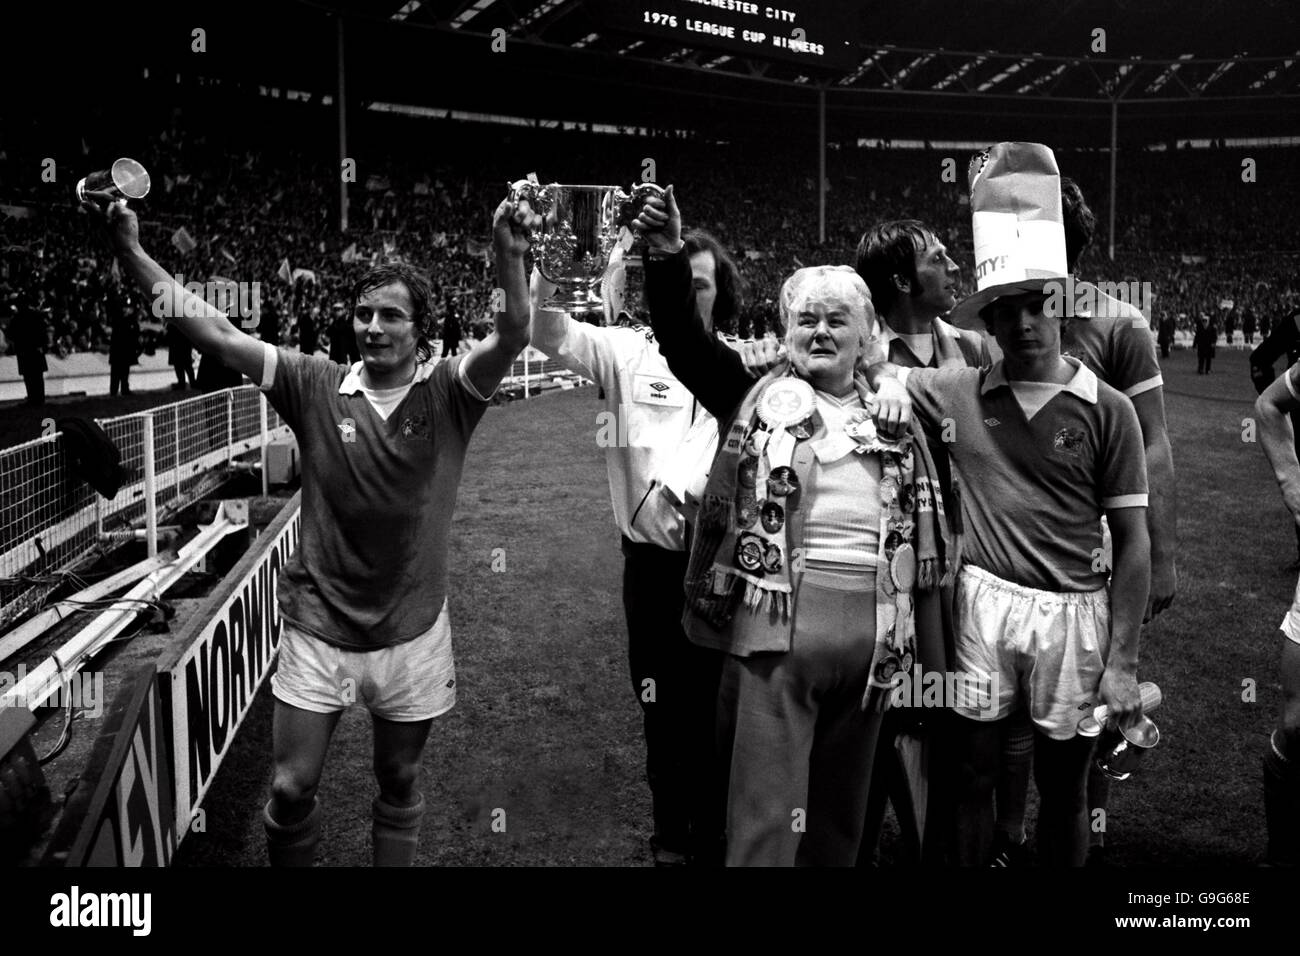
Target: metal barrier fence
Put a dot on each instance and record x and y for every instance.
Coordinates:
(172, 455)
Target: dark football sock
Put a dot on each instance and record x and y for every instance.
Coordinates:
(293, 845)
(1013, 779)
(396, 832)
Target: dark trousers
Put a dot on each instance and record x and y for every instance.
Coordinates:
(889, 783)
(676, 684)
(35, 382)
(183, 372)
(119, 376)
(1203, 363)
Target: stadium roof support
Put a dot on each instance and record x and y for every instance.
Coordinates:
(343, 131)
(821, 164)
(957, 73)
(1114, 152)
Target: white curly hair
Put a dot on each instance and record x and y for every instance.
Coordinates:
(820, 282)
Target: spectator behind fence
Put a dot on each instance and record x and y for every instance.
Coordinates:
(343, 340)
(180, 355)
(308, 326)
(451, 332)
(123, 352)
(268, 326)
(28, 333)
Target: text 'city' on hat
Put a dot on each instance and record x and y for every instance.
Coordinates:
(1015, 200)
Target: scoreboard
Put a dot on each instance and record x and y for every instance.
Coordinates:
(810, 32)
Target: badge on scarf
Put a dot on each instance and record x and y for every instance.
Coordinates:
(902, 568)
(787, 401)
(749, 553)
(782, 482)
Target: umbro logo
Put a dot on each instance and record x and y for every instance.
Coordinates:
(992, 422)
(660, 386)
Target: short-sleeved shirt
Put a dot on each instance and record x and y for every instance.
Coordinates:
(1034, 489)
(378, 493)
(1292, 375)
(1118, 346)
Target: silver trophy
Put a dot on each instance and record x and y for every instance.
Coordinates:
(127, 179)
(580, 227)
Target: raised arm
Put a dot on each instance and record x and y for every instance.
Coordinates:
(712, 371)
(203, 324)
(490, 360)
(583, 349)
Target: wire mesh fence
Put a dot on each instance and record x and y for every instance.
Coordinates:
(51, 520)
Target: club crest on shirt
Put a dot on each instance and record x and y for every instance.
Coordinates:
(415, 426)
(1069, 441)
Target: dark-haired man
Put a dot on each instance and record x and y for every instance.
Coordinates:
(1113, 338)
(660, 424)
(914, 283)
(363, 599)
(1044, 447)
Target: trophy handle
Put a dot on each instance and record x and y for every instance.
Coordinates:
(629, 203)
(538, 197)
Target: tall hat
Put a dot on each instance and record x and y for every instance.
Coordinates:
(1015, 200)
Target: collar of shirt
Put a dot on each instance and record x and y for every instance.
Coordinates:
(352, 381)
(1083, 384)
(887, 334)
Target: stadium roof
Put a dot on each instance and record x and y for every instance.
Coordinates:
(929, 70)
(1155, 50)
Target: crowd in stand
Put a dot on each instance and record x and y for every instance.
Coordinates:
(1214, 247)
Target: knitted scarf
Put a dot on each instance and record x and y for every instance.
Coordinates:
(742, 550)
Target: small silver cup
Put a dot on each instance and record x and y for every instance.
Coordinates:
(127, 179)
(1120, 750)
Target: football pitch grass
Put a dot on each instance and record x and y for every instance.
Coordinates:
(545, 737)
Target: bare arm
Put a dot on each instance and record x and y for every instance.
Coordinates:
(1274, 409)
(204, 325)
(1162, 511)
(489, 360)
(1130, 582)
(893, 406)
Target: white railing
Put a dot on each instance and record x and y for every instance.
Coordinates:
(172, 455)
